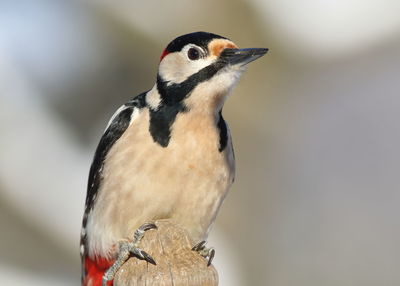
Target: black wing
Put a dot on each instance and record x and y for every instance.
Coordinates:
(117, 126)
(114, 131)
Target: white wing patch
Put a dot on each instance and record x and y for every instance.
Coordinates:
(119, 110)
(134, 115)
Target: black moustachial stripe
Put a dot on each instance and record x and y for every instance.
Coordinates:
(223, 133)
(172, 94)
(171, 104)
(161, 121)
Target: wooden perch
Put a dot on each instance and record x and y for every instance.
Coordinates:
(177, 264)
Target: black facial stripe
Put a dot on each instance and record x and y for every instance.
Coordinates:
(200, 39)
(223, 133)
(176, 92)
(171, 104)
(173, 94)
(161, 121)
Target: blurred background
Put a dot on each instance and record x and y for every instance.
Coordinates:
(315, 125)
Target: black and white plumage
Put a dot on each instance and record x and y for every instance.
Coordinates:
(167, 153)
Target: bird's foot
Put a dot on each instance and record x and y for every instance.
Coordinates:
(201, 249)
(128, 248)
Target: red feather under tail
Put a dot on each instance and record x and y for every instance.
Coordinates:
(95, 270)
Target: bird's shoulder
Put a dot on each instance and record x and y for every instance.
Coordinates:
(116, 126)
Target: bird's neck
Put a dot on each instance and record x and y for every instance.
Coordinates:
(203, 113)
(198, 103)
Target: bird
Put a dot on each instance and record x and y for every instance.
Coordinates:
(165, 154)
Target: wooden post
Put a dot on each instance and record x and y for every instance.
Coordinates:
(177, 264)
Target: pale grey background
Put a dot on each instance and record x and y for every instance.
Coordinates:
(315, 126)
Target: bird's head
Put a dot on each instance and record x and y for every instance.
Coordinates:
(199, 70)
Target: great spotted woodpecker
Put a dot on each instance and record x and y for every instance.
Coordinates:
(167, 153)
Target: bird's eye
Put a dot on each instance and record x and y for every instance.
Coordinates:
(193, 54)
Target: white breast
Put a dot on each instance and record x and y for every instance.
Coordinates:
(142, 181)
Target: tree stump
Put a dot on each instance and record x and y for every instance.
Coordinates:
(177, 264)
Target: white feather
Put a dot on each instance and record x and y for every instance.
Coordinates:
(119, 110)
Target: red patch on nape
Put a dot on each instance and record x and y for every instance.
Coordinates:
(95, 270)
(164, 53)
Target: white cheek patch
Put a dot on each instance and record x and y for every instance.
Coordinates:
(224, 81)
(213, 92)
(176, 67)
(153, 98)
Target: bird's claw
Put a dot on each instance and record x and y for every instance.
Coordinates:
(139, 233)
(204, 251)
(199, 246)
(147, 226)
(128, 248)
(141, 254)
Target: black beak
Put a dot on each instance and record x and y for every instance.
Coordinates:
(242, 56)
